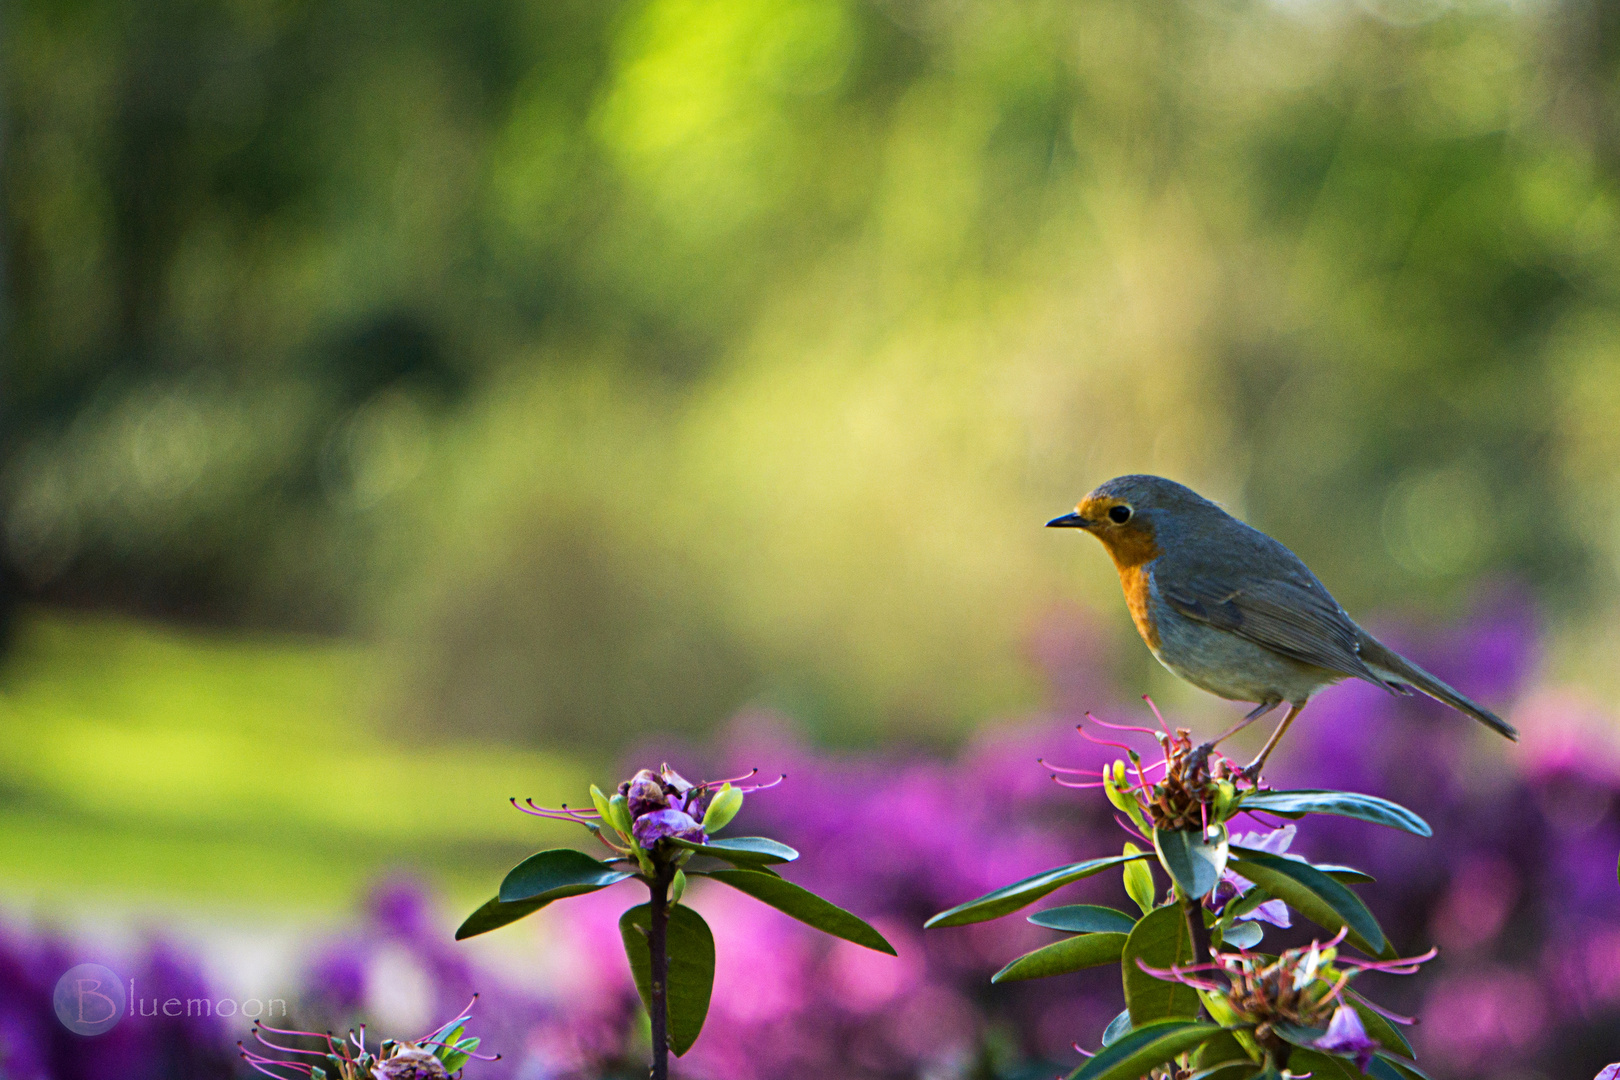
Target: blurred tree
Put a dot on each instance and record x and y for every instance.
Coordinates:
(724, 348)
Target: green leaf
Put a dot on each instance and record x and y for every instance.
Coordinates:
(1298, 1034)
(722, 808)
(1387, 1034)
(803, 905)
(1010, 898)
(1084, 919)
(1313, 894)
(1143, 1049)
(1243, 935)
(619, 814)
(1222, 1050)
(1236, 1069)
(1192, 859)
(554, 874)
(1242, 905)
(1322, 1066)
(456, 1054)
(1159, 940)
(1139, 881)
(742, 850)
(494, 915)
(1062, 957)
(1345, 874)
(1389, 1067)
(1343, 803)
(600, 801)
(1118, 1028)
(691, 968)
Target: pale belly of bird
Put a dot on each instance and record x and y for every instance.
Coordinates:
(1230, 666)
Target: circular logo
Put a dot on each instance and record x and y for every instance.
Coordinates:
(89, 999)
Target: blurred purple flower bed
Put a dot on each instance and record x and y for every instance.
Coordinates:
(1517, 887)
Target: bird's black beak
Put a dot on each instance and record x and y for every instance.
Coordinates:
(1069, 521)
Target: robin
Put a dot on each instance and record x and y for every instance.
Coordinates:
(1232, 611)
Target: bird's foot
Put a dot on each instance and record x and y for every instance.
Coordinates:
(1198, 760)
(1251, 773)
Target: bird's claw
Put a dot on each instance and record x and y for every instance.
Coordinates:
(1251, 773)
(1198, 760)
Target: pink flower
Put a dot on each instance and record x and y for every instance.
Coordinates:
(653, 827)
(1345, 1035)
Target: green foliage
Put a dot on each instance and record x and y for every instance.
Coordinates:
(1159, 940)
(1020, 894)
(1313, 894)
(416, 336)
(1193, 860)
(495, 914)
(691, 968)
(747, 851)
(1146, 1046)
(554, 874)
(803, 905)
(1084, 919)
(727, 802)
(1062, 957)
(1344, 803)
(1387, 1034)
(1221, 1049)
(1241, 935)
(1139, 881)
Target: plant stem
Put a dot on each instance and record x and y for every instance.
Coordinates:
(658, 946)
(1193, 909)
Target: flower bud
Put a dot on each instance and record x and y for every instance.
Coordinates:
(1114, 787)
(619, 814)
(646, 794)
(411, 1064)
(1225, 792)
(600, 801)
(722, 808)
(1139, 880)
(678, 889)
(653, 827)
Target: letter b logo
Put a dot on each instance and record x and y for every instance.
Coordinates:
(89, 999)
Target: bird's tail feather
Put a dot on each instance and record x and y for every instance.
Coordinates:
(1386, 660)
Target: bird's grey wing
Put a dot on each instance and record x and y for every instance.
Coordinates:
(1293, 615)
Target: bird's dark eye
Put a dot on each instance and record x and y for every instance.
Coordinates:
(1119, 515)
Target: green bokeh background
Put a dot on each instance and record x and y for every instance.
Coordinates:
(409, 405)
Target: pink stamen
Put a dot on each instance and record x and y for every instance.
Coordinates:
(1130, 828)
(577, 817)
(1156, 714)
(1180, 974)
(326, 1037)
(293, 1049)
(1103, 742)
(1400, 966)
(1394, 1017)
(729, 780)
(258, 1063)
(1070, 784)
(761, 787)
(1121, 727)
(1066, 770)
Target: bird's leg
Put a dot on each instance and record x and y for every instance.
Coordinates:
(1251, 772)
(1201, 753)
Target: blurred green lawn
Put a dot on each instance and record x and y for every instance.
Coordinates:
(148, 764)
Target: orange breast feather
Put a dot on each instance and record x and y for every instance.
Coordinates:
(1132, 550)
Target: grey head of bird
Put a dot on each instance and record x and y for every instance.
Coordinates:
(1136, 516)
